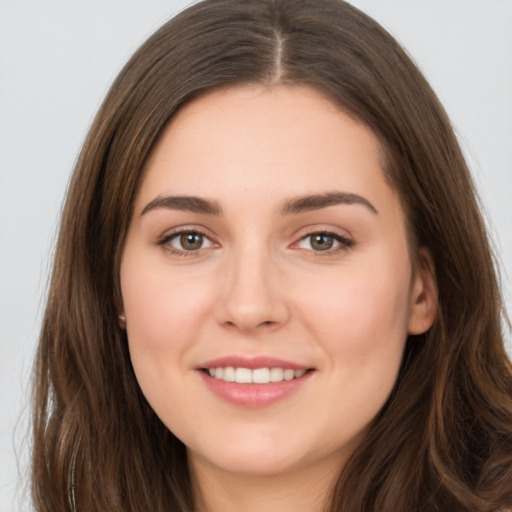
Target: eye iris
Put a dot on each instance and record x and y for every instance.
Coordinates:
(322, 242)
(191, 241)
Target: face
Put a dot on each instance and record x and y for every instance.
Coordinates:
(266, 281)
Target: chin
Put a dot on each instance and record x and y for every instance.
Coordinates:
(248, 454)
(247, 464)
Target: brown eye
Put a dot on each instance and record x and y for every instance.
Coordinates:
(324, 241)
(191, 241)
(186, 242)
(321, 242)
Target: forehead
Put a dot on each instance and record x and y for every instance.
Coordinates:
(266, 142)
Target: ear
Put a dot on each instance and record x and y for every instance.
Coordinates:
(122, 320)
(423, 300)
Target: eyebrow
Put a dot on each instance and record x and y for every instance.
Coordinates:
(292, 206)
(319, 201)
(184, 203)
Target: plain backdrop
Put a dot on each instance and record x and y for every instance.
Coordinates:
(57, 59)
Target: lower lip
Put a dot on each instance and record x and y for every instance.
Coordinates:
(253, 395)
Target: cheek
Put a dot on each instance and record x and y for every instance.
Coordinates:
(362, 313)
(163, 309)
(361, 326)
(164, 313)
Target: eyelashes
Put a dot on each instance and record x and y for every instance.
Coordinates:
(192, 242)
(324, 242)
(186, 242)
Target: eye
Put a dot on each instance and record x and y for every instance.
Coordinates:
(324, 242)
(188, 241)
(183, 242)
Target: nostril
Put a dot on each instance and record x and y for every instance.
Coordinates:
(266, 323)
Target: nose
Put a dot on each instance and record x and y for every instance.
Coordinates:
(252, 293)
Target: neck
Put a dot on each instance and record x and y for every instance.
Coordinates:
(304, 490)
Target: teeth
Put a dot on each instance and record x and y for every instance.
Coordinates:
(242, 375)
(261, 376)
(229, 374)
(276, 374)
(289, 374)
(257, 376)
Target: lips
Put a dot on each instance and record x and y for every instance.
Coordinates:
(253, 382)
(252, 363)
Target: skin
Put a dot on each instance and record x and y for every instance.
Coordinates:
(259, 286)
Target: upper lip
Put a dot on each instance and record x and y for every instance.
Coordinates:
(252, 363)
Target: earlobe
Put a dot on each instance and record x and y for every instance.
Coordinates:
(122, 320)
(423, 305)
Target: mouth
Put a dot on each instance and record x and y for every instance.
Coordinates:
(254, 382)
(265, 375)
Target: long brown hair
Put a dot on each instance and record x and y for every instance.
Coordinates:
(442, 442)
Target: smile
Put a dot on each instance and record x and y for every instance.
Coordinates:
(242, 375)
(254, 382)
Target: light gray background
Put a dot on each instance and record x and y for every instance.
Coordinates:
(57, 59)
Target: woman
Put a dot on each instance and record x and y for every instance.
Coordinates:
(272, 288)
